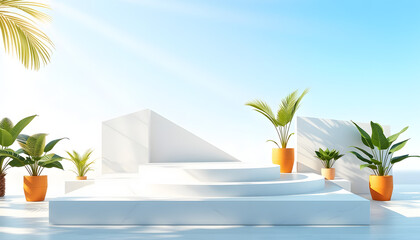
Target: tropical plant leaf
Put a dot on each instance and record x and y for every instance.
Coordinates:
(378, 137)
(297, 103)
(376, 162)
(55, 164)
(21, 35)
(81, 161)
(35, 145)
(361, 158)
(394, 137)
(6, 138)
(51, 144)
(366, 139)
(20, 151)
(6, 124)
(369, 166)
(17, 160)
(17, 129)
(364, 151)
(16, 163)
(49, 158)
(263, 108)
(398, 146)
(400, 158)
(274, 142)
(22, 138)
(288, 107)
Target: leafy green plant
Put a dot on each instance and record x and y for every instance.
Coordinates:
(328, 157)
(81, 162)
(282, 120)
(34, 154)
(381, 156)
(8, 135)
(21, 36)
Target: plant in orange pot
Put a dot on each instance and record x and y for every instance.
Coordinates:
(328, 158)
(281, 155)
(81, 163)
(380, 159)
(35, 156)
(8, 134)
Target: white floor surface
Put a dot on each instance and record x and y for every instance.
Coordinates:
(397, 219)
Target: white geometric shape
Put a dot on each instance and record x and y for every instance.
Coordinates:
(332, 205)
(70, 186)
(208, 172)
(285, 184)
(146, 137)
(315, 133)
(175, 180)
(343, 183)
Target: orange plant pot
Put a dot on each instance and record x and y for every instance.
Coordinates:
(81, 178)
(35, 188)
(285, 157)
(381, 187)
(328, 173)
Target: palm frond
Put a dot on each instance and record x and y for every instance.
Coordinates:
(20, 33)
(263, 108)
(81, 162)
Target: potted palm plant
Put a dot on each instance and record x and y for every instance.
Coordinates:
(35, 156)
(380, 159)
(328, 158)
(81, 162)
(8, 134)
(281, 155)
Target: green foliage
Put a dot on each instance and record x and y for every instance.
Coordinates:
(81, 162)
(34, 155)
(328, 157)
(21, 36)
(8, 135)
(282, 120)
(381, 159)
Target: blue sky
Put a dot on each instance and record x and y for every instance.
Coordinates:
(198, 62)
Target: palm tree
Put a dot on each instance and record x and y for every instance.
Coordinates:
(282, 120)
(20, 34)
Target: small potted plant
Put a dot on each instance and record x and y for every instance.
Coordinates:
(281, 155)
(81, 162)
(8, 134)
(35, 157)
(380, 159)
(328, 158)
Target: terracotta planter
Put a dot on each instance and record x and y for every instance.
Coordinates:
(2, 185)
(285, 157)
(381, 187)
(328, 173)
(81, 178)
(35, 188)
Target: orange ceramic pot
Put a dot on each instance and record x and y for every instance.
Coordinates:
(35, 188)
(381, 187)
(285, 157)
(328, 173)
(81, 178)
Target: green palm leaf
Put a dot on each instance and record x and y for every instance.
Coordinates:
(81, 162)
(21, 36)
(263, 108)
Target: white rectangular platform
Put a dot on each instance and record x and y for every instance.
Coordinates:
(333, 205)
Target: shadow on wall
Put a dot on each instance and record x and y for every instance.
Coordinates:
(315, 133)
